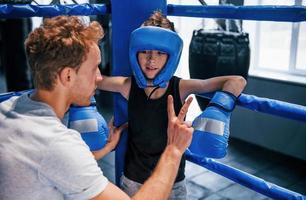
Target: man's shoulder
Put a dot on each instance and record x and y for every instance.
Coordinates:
(8, 103)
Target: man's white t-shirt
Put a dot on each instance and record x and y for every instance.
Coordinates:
(40, 158)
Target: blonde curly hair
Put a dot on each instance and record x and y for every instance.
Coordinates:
(59, 42)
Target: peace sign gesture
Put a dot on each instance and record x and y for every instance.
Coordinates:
(179, 131)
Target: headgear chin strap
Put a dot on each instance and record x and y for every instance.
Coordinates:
(155, 38)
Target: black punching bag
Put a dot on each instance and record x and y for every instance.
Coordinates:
(218, 53)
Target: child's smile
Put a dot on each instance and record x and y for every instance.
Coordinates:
(151, 62)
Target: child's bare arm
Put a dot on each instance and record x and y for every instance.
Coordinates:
(119, 84)
(232, 84)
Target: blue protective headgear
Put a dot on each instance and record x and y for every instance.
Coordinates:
(155, 38)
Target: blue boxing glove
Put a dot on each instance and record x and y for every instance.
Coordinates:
(92, 126)
(211, 128)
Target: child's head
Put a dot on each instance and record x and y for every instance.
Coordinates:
(155, 50)
(152, 61)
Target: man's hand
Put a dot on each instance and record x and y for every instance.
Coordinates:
(179, 132)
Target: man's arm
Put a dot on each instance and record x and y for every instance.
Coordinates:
(159, 185)
(232, 84)
(111, 192)
(119, 84)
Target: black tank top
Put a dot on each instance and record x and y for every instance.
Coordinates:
(148, 122)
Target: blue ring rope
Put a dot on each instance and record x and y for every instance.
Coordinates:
(29, 10)
(258, 13)
(250, 181)
(269, 106)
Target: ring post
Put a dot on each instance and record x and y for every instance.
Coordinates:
(127, 15)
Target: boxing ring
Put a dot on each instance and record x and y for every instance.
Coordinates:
(125, 20)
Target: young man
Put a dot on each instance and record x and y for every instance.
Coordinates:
(155, 51)
(40, 158)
